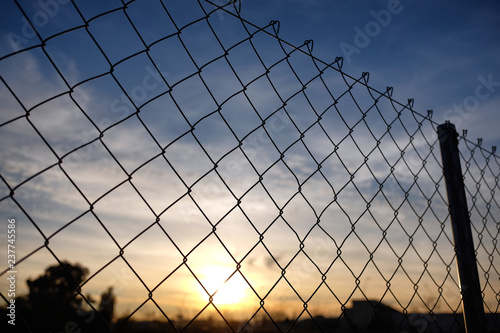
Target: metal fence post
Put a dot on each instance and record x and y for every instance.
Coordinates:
(472, 301)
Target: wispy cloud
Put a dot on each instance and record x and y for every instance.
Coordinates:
(182, 183)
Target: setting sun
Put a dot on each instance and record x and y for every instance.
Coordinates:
(227, 292)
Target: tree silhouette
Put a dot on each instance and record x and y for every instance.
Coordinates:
(58, 285)
(107, 305)
(54, 303)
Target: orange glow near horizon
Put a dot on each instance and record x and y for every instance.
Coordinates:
(226, 293)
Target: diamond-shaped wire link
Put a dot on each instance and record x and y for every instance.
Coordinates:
(207, 141)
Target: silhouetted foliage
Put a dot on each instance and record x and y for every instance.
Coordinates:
(54, 304)
(58, 284)
(107, 305)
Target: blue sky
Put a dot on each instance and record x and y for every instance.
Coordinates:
(431, 51)
(445, 58)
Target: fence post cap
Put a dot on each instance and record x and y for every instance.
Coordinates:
(447, 130)
(447, 126)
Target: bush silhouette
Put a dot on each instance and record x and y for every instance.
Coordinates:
(54, 304)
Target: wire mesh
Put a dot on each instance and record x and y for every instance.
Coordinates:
(187, 142)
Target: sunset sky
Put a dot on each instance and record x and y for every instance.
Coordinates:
(165, 152)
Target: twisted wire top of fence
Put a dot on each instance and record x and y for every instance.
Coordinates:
(178, 150)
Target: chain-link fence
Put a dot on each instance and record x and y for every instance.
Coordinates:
(218, 178)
